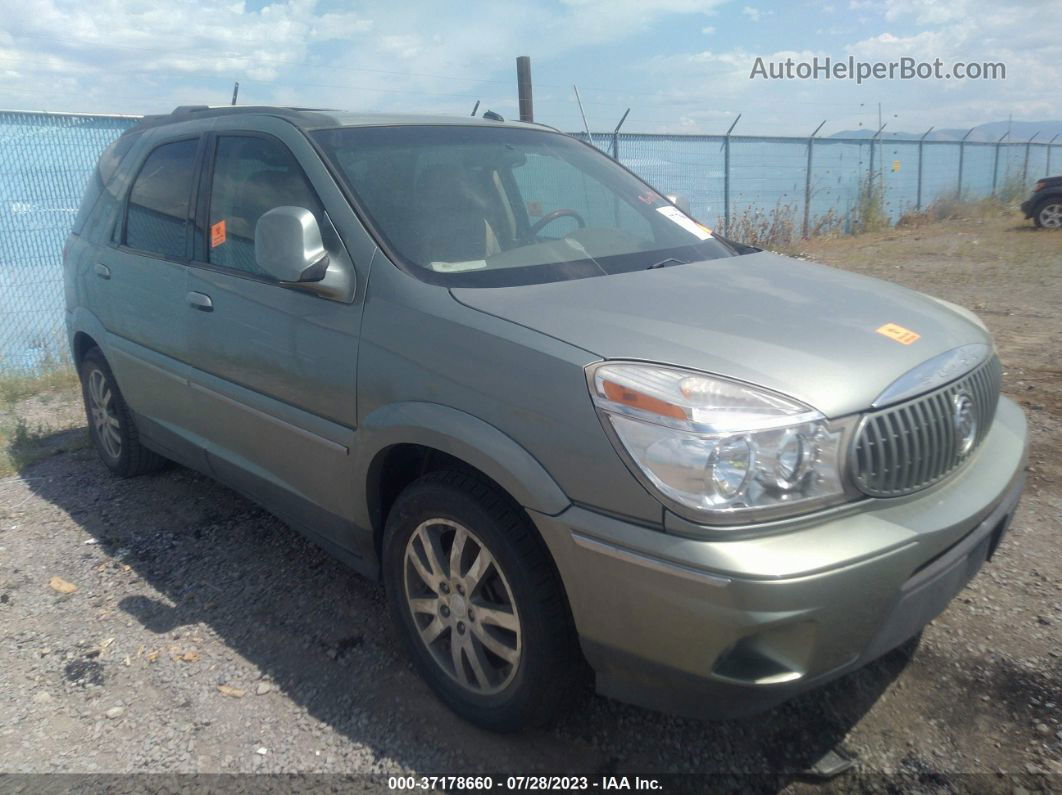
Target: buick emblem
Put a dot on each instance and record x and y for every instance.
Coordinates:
(964, 418)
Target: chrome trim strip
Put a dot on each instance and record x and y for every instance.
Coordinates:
(933, 373)
(656, 564)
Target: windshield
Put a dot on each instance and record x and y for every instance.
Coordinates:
(480, 206)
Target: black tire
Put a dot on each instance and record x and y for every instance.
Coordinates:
(549, 665)
(128, 458)
(1048, 213)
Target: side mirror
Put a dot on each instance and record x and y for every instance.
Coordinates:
(682, 202)
(288, 247)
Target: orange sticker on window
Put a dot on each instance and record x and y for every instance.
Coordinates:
(902, 335)
(217, 234)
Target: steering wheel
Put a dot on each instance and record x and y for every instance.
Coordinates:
(549, 218)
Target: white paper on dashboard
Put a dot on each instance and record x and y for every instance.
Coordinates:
(687, 223)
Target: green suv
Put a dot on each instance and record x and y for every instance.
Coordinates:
(561, 420)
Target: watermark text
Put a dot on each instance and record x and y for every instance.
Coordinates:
(849, 68)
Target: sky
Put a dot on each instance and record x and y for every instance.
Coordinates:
(681, 66)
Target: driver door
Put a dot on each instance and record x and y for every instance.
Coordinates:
(273, 379)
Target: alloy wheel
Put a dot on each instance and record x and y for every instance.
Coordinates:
(1051, 216)
(462, 606)
(101, 409)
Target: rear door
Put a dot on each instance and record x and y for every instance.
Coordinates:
(144, 278)
(273, 382)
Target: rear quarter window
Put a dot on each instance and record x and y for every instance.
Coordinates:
(102, 174)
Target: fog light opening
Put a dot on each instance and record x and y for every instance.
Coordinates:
(772, 657)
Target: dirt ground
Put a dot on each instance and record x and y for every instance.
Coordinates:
(205, 636)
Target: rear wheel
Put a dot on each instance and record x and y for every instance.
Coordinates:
(111, 426)
(1048, 214)
(474, 593)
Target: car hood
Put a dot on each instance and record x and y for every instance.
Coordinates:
(800, 328)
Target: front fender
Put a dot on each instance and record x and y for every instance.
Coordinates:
(465, 437)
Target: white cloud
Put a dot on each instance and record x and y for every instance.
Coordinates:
(1012, 33)
(114, 54)
(714, 81)
(481, 42)
(925, 12)
(146, 55)
(149, 55)
(755, 14)
(196, 36)
(404, 46)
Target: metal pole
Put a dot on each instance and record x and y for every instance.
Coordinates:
(995, 162)
(807, 181)
(523, 88)
(918, 200)
(586, 126)
(615, 135)
(870, 164)
(235, 91)
(726, 176)
(1049, 154)
(962, 147)
(1025, 165)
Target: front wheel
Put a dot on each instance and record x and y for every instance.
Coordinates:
(478, 602)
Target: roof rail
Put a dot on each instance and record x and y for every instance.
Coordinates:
(183, 112)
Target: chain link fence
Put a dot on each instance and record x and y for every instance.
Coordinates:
(45, 161)
(820, 182)
(731, 182)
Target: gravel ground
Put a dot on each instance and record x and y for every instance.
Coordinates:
(190, 631)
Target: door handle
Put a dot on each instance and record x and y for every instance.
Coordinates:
(200, 301)
(102, 270)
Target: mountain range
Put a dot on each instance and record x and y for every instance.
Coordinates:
(1020, 131)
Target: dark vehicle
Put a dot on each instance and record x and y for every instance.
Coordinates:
(1044, 206)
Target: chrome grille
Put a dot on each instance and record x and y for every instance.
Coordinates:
(911, 445)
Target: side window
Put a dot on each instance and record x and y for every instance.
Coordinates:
(157, 216)
(251, 176)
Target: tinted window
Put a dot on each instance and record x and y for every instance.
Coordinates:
(101, 175)
(93, 189)
(157, 218)
(251, 176)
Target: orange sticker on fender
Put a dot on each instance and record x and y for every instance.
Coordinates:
(217, 234)
(902, 335)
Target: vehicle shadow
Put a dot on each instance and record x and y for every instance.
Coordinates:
(321, 635)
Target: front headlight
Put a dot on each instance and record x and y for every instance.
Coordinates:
(719, 451)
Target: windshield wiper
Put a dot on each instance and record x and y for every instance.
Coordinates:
(665, 262)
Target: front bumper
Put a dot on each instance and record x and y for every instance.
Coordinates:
(1027, 208)
(715, 628)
